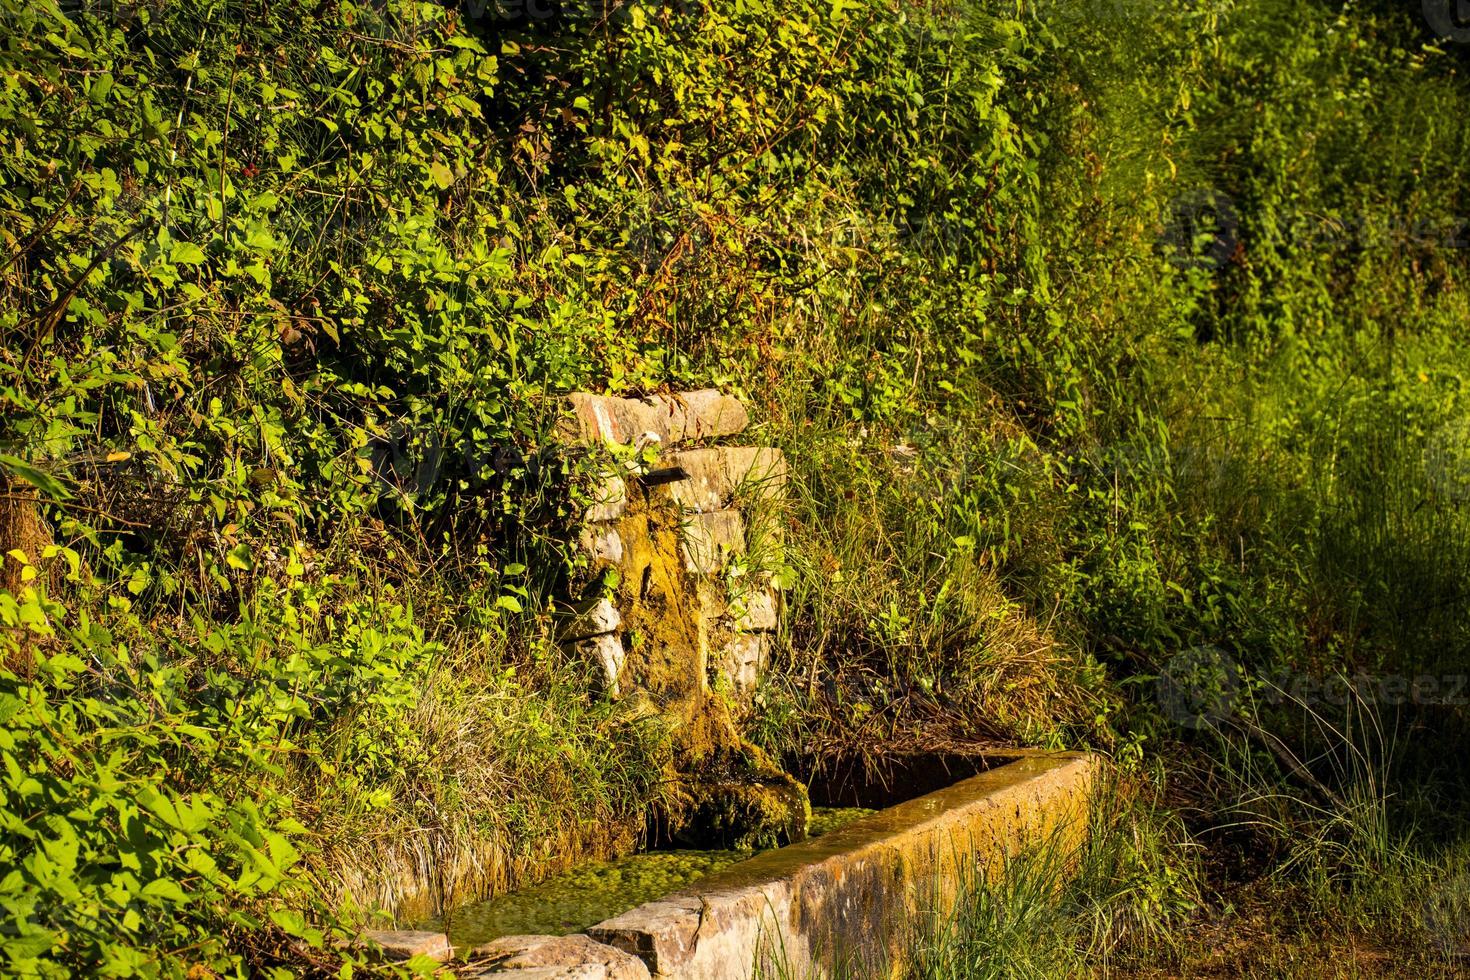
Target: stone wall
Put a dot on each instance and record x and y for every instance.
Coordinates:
(682, 608)
(697, 498)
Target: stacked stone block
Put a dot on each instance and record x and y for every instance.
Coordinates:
(707, 486)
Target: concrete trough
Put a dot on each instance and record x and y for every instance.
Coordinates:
(849, 899)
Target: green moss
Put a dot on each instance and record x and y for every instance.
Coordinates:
(727, 792)
(749, 814)
(827, 819)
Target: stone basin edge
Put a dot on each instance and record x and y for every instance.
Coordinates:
(848, 894)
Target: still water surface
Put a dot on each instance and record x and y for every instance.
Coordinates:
(572, 901)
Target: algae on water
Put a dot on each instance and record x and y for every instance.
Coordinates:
(584, 896)
(827, 819)
(571, 902)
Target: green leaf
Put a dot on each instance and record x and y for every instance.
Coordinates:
(29, 945)
(165, 889)
(40, 479)
(186, 253)
(442, 175)
(258, 236)
(240, 558)
(101, 85)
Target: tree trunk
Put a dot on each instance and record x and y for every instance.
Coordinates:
(21, 529)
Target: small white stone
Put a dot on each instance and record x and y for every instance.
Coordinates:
(606, 652)
(601, 543)
(591, 620)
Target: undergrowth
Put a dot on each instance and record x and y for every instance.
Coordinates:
(1106, 343)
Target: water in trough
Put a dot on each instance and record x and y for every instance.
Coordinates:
(598, 890)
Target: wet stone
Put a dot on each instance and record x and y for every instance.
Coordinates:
(746, 813)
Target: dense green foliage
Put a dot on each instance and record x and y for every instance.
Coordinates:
(1093, 336)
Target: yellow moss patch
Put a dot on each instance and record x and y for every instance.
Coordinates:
(725, 792)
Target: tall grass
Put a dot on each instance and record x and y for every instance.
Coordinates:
(1053, 908)
(504, 781)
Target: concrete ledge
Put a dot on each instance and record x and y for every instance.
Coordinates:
(856, 892)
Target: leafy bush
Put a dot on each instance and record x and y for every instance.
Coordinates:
(147, 825)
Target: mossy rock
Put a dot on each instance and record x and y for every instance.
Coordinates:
(745, 814)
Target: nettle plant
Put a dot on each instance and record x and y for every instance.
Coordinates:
(146, 827)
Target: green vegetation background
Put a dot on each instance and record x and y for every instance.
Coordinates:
(1095, 334)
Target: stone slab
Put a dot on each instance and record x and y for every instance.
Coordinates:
(609, 499)
(682, 417)
(760, 612)
(601, 543)
(405, 944)
(552, 958)
(856, 892)
(718, 474)
(709, 538)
